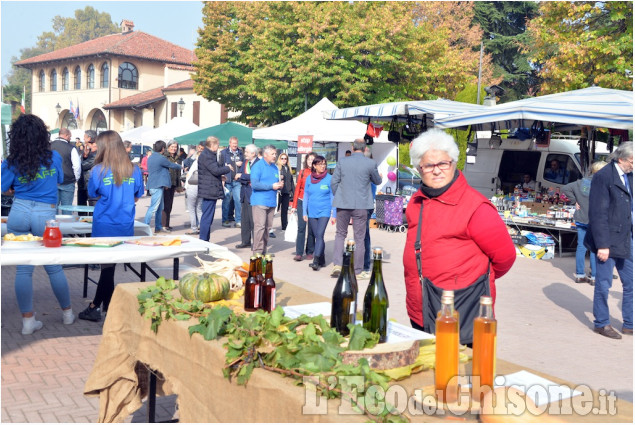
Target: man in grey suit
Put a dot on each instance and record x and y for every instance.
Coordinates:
(352, 198)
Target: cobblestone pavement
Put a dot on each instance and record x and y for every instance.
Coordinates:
(545, 322)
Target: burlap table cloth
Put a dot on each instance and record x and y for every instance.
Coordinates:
(192, 368)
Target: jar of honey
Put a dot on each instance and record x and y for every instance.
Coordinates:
(52, 237)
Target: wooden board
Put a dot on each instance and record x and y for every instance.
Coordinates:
(157, 241)
(385, 356)
(91, 242)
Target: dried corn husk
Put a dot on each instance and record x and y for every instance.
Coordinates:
(224, 267)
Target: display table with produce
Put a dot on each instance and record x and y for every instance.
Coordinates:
(84, 225)
(191, 367)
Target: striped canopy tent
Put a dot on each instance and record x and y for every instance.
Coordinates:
(593, 106)
(416, 110)
(226, 130)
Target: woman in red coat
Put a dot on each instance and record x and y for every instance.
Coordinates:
(462, 236)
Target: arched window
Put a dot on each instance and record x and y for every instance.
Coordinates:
(128, 76)
(65, 79)
(98, 123)
(78, 78)
(90, 77)
(69, 121)
(105, 75)
(41, 82)
(54, 80)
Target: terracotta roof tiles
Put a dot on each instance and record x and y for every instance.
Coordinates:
(142, 99)
(135, 44)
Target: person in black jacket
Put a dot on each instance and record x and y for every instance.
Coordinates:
(88, 160)
(243, 176)
(610, 236)
(210, 184)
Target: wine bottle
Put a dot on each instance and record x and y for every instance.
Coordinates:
(252, 287)
(269, 292)
(260, 279)
(343, 305)
(446, 368)
(375, 315)
(484, 350)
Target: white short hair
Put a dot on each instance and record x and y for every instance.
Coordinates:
(433, 140)
(251, 148)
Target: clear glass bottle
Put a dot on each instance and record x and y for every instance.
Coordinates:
(447, 353)
(484, 350)
(375, 314)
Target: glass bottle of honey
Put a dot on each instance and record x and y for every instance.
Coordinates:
(484, 350)
(447, 353)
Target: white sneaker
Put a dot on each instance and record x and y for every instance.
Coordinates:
(30, 325)
(68, 317)
(363, 275)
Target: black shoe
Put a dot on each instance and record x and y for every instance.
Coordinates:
(168, 228)
(315, 266)
(271, 235)
(227, 224)
(243, 245)
(93, 314)
(606, 331)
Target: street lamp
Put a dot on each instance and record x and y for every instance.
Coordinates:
(58, 108)
(181, 104)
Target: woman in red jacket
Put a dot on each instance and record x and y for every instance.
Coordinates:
(464, 243)
(298, 195)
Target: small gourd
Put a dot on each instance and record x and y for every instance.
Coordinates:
(205, 287)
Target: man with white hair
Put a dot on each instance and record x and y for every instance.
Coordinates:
(265, 183)
(610, 236)
(243, 176)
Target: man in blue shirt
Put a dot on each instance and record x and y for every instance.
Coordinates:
(158, 178)
(265, 183)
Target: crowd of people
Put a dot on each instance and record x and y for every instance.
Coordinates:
(456, 240)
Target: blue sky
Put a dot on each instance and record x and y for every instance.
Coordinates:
(21, 22)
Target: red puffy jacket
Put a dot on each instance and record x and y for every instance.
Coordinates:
(461, 231)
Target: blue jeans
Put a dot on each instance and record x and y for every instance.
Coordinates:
(603, 281)
(65, 194)
(207, 218)
(155, 208)
(318, 226)
(302, 234)
(580, 253)
(30, 217)
(234, 192)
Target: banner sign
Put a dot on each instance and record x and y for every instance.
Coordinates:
(305, 144)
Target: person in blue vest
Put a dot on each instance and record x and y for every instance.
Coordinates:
(32, 172)
(158, 178)
(265, 183)
(118, 184)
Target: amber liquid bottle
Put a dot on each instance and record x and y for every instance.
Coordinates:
(450, 294)
(446, 370)
(343, 305)
(260, 279)
(252, 287)
(484, 350)
(375, 315)
(269, 289)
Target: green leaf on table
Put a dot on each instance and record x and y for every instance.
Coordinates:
(215, 321)
(361, 338)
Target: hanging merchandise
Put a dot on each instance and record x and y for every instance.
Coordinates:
(394, 135)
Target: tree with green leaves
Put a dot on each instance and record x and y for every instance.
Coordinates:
(579, 44)
(504, 33)
(87, 24)
(261, 59)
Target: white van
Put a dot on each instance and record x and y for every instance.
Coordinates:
(502, 167)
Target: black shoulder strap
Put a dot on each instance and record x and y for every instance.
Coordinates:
(418, 253)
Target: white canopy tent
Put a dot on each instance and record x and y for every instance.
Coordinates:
(401, 111)
(135, 135)
(176, 127)
(593, 106)
(313, 123)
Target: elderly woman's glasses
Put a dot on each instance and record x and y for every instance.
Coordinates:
(443, 166)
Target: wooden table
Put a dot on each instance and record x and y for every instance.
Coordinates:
(192, 368)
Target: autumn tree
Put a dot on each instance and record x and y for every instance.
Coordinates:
(87, 24)
(579, 44)
(266, 58)
(504, 34)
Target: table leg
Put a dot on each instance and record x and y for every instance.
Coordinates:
(152, 398)
(85, 293)
(175, 269)
(143, 272)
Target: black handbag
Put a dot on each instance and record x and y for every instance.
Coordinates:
(466, 300)
(394, 135)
